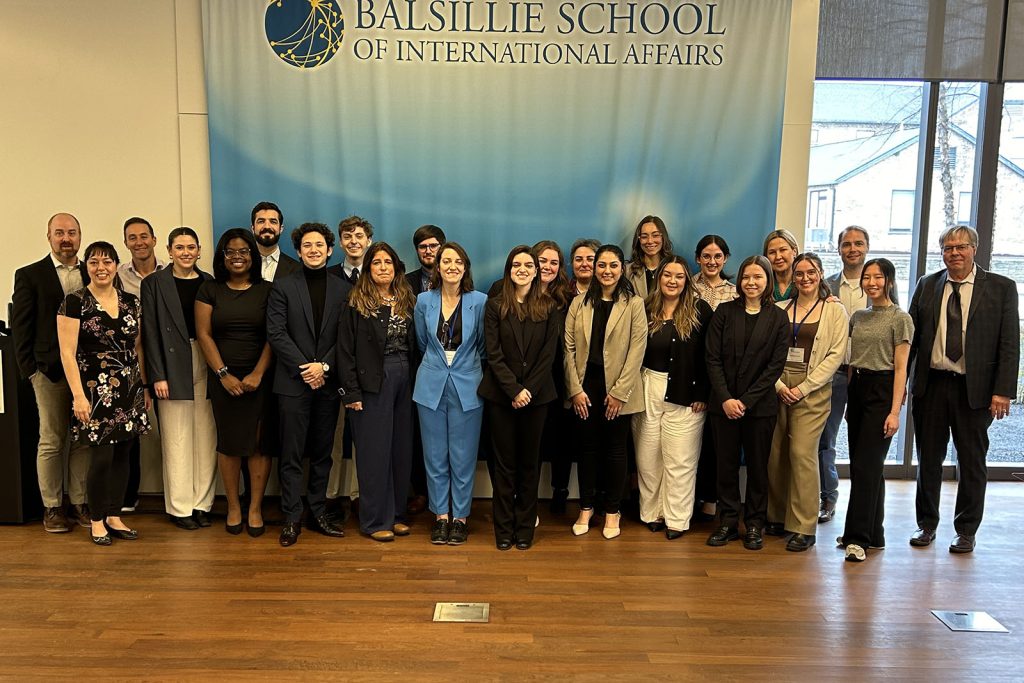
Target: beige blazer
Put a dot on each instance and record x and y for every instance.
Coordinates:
(638, 280)
(625, 342)
(829, 349)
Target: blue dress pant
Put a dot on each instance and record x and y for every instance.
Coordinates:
(451, 439)
(307, 430)
(827, 473)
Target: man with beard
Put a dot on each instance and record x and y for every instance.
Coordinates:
(39, 289)
(267, 223)
(140, 239)
(427, 240)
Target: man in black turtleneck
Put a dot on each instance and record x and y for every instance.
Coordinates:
(302, 326)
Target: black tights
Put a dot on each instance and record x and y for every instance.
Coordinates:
(108, 479)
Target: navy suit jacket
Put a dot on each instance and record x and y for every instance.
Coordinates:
(466, 370)
(991, 352)
(290, 331)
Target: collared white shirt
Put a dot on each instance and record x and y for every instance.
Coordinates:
(270, 263)
(939, 361)
(851, 295)
(70, 276)
(131, 281)
(349, 267)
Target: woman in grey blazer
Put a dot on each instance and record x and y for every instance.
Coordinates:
(177, 369)
(605, 340)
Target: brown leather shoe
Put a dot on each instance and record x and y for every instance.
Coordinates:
(80, 515)
(55, 522)
(401, 529)
(962, 544)
(826, 512)
(383, 535)
(922, 538)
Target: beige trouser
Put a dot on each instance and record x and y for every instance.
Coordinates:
(342, 480)
(53, 400)
(793, 466)
(188, 437)
(667, 439)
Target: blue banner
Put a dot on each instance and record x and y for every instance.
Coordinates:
(504, 122)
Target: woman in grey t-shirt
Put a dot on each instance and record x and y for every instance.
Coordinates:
(880, 338)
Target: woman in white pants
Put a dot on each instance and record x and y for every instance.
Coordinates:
(177, 368)
(668, 433)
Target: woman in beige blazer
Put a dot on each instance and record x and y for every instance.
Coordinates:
(605, 340)
(818, 330)
(651, 246)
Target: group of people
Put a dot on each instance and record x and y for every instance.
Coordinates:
(578, 360)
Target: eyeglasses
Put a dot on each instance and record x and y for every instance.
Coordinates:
(231, 253)
(428, 247)
(810, 275)
(712, 257)
(958, 248)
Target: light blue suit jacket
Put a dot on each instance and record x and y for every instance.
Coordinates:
(465, 371)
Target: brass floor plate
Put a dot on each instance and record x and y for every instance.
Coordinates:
(464, 612)
(969, 621)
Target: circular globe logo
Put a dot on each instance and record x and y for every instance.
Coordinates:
(304, 33)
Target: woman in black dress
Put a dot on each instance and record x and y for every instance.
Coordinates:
(231, 327)
(98, 331)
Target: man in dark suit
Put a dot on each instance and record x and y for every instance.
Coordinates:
(966, 328)
(267, 224)
(39, 289)
(302, 327)
(427, 240)
(355, 234)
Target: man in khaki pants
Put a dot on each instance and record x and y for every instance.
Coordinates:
(39, 289)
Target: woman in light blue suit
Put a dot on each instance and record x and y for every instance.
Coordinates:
(449, 321)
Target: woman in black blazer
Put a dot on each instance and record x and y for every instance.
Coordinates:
(746, 351)
(521, 331)
(376, 358)
(669, 432)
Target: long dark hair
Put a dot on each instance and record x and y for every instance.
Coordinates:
(558, 289)
(623, 288)
(636, 258)
(220, 268)
(888, 271)
(365, 297)
(719, 242)
(823, 291)
(767, 298)
(537, 302)
(467, 275)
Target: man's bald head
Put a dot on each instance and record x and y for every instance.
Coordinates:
(65, 236)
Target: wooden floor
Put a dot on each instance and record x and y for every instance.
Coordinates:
(205, 605)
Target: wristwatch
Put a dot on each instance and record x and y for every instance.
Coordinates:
(327, 368)
(223, 372)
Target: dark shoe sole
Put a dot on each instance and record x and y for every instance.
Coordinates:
(753, 546)
(799, 548)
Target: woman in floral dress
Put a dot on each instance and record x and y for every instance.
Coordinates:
(98, 329)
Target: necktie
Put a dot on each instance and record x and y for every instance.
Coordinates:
(954, 324)
(354, 276)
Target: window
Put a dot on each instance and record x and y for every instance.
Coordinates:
(901, 211)
(963, 209)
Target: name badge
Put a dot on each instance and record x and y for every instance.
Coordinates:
(796, 355)
(449, 356)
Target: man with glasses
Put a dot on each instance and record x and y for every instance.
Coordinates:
(428, 240)
(966, 348)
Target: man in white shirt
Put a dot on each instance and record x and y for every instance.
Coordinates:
(140, 240)
(356, 234)
(267, 224)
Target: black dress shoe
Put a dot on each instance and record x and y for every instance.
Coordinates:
(325, 526)
(558, 499)
(827, 512)
(656, 526)
(800, 542)
(673, 534)
(753, 540)
(290, 534)
(256, 531)
(459, 533)
(523, 544)
(101, 540)
(123, 534)
(962, 544)
(186, 523)
(504, 544)
(439, 532)
(922, 538)
(202, 519)
(775, 529)
(234, 529)
(723, 535)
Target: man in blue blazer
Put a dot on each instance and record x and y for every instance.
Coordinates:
(302, 327)
(965, 357)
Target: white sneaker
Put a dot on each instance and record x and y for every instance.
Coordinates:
(854, 553)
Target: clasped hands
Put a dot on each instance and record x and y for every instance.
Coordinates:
(313, 374)
(581, 406)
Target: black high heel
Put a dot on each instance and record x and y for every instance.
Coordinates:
(256, 531)
(234, 529)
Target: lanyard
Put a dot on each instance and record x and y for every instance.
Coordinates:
(797, 326)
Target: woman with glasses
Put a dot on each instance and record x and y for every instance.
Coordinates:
(231, 326)
(605, 340)
(780, 249)
(651, 246)
(817, 347)
(450, 334)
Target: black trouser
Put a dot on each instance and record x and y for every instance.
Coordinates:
(868, 404)
(602, 457)
(515, 438)
(944, 409)
(107, 479)
(556, 443)
(131, 491)
(307, 430)
(382, 433)
(707, 467)
(754, 436)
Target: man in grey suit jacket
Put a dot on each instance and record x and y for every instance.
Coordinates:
(965, 357)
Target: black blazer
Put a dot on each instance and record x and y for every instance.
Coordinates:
(338, 270)
(360, 357)
(415, 280)
(290, 331)
(688, 372)
(520, 354)
(286, 265)
(744, 371)
(165, 340)
(37, 296)
(991, 352)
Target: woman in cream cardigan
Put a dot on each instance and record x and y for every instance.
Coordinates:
(818, 331)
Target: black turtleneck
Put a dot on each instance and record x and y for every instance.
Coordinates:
(316, 283)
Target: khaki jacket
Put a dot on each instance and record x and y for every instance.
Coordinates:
(829, 349)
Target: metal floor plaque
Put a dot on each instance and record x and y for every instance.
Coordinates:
(969, 621)
(465, 612)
